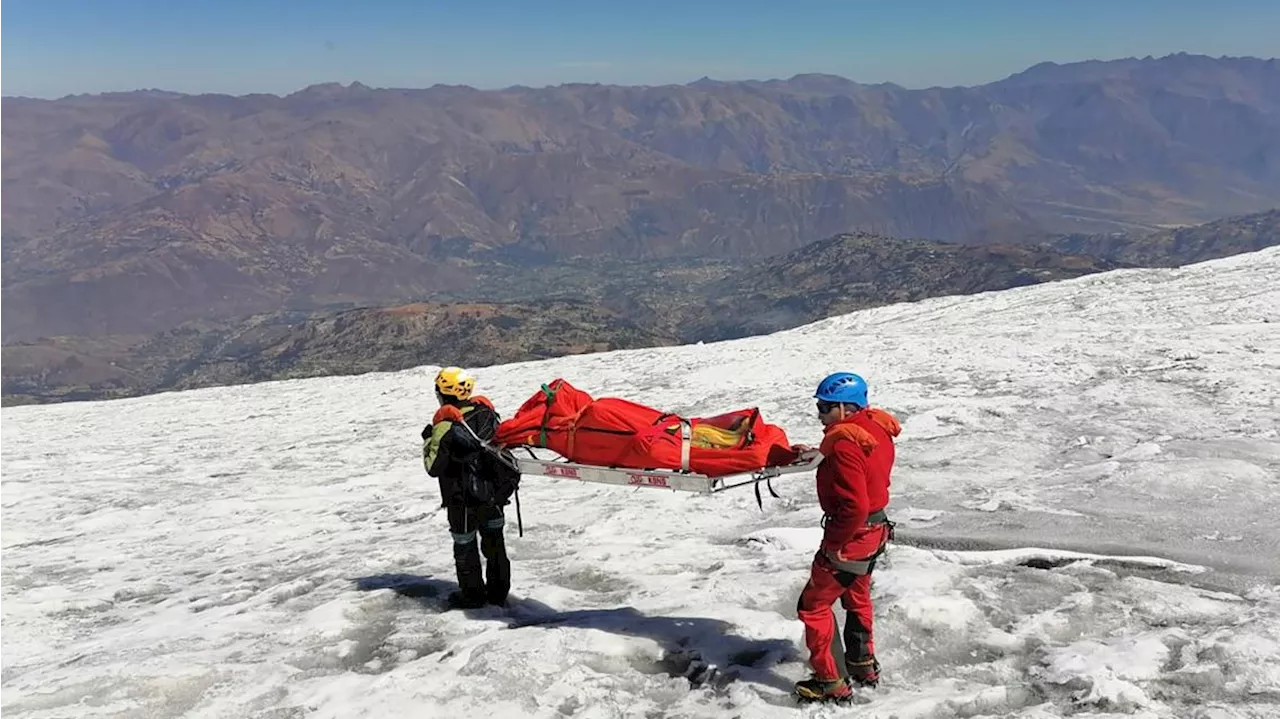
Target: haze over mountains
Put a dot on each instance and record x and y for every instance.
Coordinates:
(129, 214)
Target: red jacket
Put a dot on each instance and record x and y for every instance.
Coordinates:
(853, 477)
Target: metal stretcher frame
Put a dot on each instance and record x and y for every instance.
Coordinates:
(662, 478)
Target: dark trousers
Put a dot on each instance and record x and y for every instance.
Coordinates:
(486, 523)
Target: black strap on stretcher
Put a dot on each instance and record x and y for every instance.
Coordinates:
(768, 483)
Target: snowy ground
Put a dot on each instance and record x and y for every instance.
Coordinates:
(275, 550)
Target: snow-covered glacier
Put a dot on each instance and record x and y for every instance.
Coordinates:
(1086, 498)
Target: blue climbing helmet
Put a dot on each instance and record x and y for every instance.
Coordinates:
(843, 387)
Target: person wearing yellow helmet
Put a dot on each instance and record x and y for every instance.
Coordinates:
(454, 383)
(471, 490)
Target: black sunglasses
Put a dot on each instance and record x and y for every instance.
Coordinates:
(824, 406)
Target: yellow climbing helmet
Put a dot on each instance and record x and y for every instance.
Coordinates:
(455, 382)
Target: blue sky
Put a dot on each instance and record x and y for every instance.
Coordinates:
(56, 47)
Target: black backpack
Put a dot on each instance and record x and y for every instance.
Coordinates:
(490, 474)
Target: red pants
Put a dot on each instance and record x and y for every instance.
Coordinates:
(826, 584)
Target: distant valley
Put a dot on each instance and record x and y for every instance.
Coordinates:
(518, 313)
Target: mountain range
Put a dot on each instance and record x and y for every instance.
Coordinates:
(132, 213)
(156, 240)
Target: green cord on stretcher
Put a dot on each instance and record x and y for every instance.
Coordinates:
(551, 396)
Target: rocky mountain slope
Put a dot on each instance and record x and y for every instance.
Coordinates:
(591, 304)
(855, 271)
(132, 213)
(541, 311)
(1180, 246)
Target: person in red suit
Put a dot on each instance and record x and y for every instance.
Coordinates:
(853, 491)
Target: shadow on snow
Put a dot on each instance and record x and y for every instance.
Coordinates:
(703, 650)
